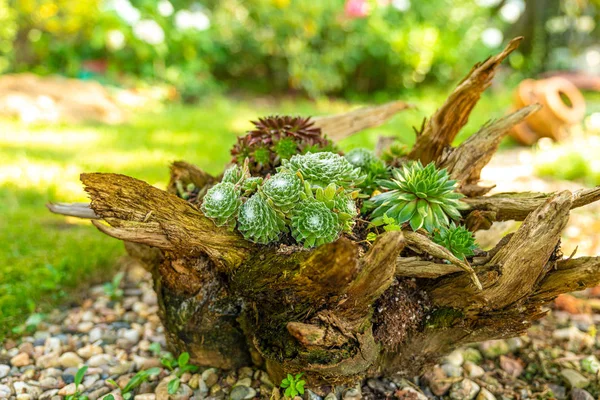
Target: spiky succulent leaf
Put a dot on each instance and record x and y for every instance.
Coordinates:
(283, 190)
(321, 169)
(457, 239)
(221, 203)
(250, 185)
(313, 223)
(275, 138)
(258, 222)
(345, 207)
(422, 196)
(233, 174)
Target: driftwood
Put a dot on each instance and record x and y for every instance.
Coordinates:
(342, 311)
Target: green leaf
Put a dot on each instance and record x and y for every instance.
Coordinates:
(285, 383)
(155, 348)
(300, 386)
(109, 396)
(112, 382)
(79, 375)
(153, 371)
(371, 236)
(183, 359)
(173, 386)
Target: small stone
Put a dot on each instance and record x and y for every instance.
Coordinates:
(574, 379)
(95, 335)
(245, 372)
(310, 395)
(511, 366)
(85, 327)
(5, 391)
(244, 382)
(194, 381)
(494, 348)
(575, 337)
(96, 394)
(70, 359)
(100, 359)
(452, 370)
(473, 370)
(47, 395)
(472, 354)
(437, 381)
(47, 361)
(378, 386)
(89, 350)
(464, 390)
(4, 370)
(71, 388)
(51, 373)
(49, 383)
(20, 360)
(410, 393)
(145, 396)
(52, 345)
(24, 396)
(580, 394)
(22, 387)
(514, 344)
(589, 364)
(331, 396)
(485, 394)
(352, 394)
(242, 393)
(210, 377)
(455, 358)
(120, 369)
(132, 335)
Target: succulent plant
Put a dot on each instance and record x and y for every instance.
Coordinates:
(457, 239)
(422, 196)
(275, 138)
(345, 207)
(221, 203)
(321, 169)
(282, 190)
(372, 168)
(313, 223)
(259, 222)
(250, 185)
(233, 174)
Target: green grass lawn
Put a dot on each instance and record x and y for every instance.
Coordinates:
(43, 257)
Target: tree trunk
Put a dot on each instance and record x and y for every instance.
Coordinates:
(347, 310)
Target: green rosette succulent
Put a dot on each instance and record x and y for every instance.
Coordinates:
(283, 190)
(233, 174)
(258, 222)
(221, 203)
(422, 196)
(321, 169)
(345, 207)
(313, 223)
(360, 157)
(457, 239)
(372, 168)
(250, 185)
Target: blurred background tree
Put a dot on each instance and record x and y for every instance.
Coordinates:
(336, 47)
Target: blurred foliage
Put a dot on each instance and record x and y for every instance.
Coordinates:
(8, 31)
(270, 45)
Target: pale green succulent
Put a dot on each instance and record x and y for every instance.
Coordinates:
(345, 207)
(258, 222)
(457, 239)
(233, 174)
(422, 196)
(321, 169)
(372, 168)
(250, 185)
(283, 190)
(313, 223)
(360, 157)
(221, 203)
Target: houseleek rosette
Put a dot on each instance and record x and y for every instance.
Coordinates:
(283, 190)
(321, 169)
(221, 203)
(360, 157)
(258, 222)
(233, 174)
(422, 196)
(313, 223)
(457, 239)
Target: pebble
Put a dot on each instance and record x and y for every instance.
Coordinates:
(455, 358)
(70, 359)
(473, 370)
(244, 382)
(574, 379)
(47, 395)
(352, 394)
(494, 348)
(580, 394)
(89, 350)
(100, 360)
(20, 360)
(511, 366)
(242, 393)
(310, 395)
(485, 394)
(5, 391)
(464, 390)
(410, 393)
(210, 376)
(437, 381)
(4, 370)
(132, 336)
(145, 396)
(452, 370)
(71, 388)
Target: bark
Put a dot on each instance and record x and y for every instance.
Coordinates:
(347, 310)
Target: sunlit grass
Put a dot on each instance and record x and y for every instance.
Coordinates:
(43, 256)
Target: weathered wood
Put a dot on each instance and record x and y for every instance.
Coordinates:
(517, 206)
(79, 210)
(337, 127)
(570, 275)
(441, 129)
(465, 162)
(414, 267)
